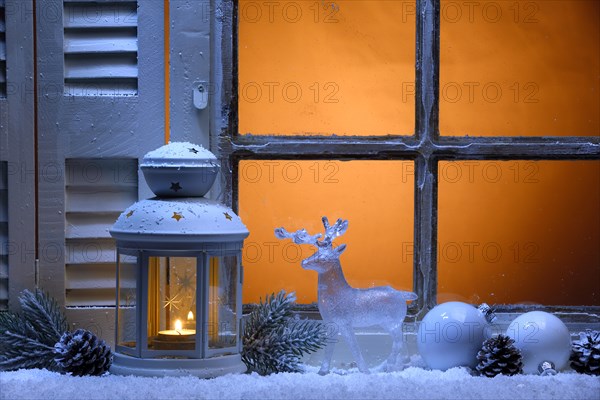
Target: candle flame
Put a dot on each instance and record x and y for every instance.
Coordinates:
(178, 325)
(190, 316)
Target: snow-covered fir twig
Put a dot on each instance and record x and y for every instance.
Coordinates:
(275, 340)
(27, 340)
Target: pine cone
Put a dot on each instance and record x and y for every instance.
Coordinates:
(82, 353)
(499, 355)
(585, 354)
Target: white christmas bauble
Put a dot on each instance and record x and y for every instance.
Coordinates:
(541, 337)
(452, 333)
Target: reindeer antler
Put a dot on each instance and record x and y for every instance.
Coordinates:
(301, 236)
(333, 231)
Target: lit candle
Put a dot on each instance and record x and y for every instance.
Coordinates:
(179, 333)
(190, 316)
(178, 325)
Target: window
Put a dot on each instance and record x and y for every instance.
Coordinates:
(404, 134)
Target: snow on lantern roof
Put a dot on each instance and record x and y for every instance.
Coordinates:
(178, 222)
(178, 154)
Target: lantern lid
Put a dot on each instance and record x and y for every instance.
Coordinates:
(180, 169)
(178, 154)
(178, 223)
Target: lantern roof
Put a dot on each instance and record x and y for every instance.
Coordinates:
(179, 222)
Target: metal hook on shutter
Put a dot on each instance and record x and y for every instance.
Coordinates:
(200, 95)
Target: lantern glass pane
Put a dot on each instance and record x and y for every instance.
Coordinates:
(222, 303)
(172, 303)
(127, 301)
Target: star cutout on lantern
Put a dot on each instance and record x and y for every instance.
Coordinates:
(172, 302)
(129, 214)
(193, 150)
(227, 216)
(175, 186)
(177, 216)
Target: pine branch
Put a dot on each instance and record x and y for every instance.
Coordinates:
(27, 341)
(269, 315)
(275, 341)
(44, 313)
(20, 345)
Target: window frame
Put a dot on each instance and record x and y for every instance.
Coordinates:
(426, 148)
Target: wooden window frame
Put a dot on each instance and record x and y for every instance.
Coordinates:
(426, 148)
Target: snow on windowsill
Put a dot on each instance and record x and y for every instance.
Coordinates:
(412, 383)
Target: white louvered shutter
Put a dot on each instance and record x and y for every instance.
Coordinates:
(101, 108)
(4, 251)
(90, 251)
(4, 248)
(2, 50)
(100, 47)
(17, 168)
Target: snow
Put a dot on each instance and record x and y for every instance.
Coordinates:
(199, 217)
(412, 383)
(181, 150)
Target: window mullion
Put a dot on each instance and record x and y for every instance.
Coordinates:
(425, 236)
(540, 148)
(427, 70)
(426, 131)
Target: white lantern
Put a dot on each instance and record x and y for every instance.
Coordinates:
(178, 272)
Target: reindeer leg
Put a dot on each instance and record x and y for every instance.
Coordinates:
(351, 339)
(397, 345)
(327, 359)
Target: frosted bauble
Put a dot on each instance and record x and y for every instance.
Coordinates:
(541, 337)
(452, 333)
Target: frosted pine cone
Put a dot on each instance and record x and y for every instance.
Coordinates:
(82, 353)
(585, 354)
(499, 356)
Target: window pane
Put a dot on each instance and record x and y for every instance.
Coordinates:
(519, 232)
(324, 67)
(376, 197)
(520, 68)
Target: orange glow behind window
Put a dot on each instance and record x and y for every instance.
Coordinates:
(546, 62)
(519, 232)
(326, 67)
(376, 197)
(520, 68)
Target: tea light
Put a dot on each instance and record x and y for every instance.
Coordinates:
(177, 334)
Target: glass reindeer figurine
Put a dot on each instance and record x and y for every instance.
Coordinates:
(345, 307)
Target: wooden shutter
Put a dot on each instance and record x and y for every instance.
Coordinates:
(101, 108)
(90, 250)
(4, 250)
(3, 170)
(17, 168)
(100, 48)
(2, 50)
